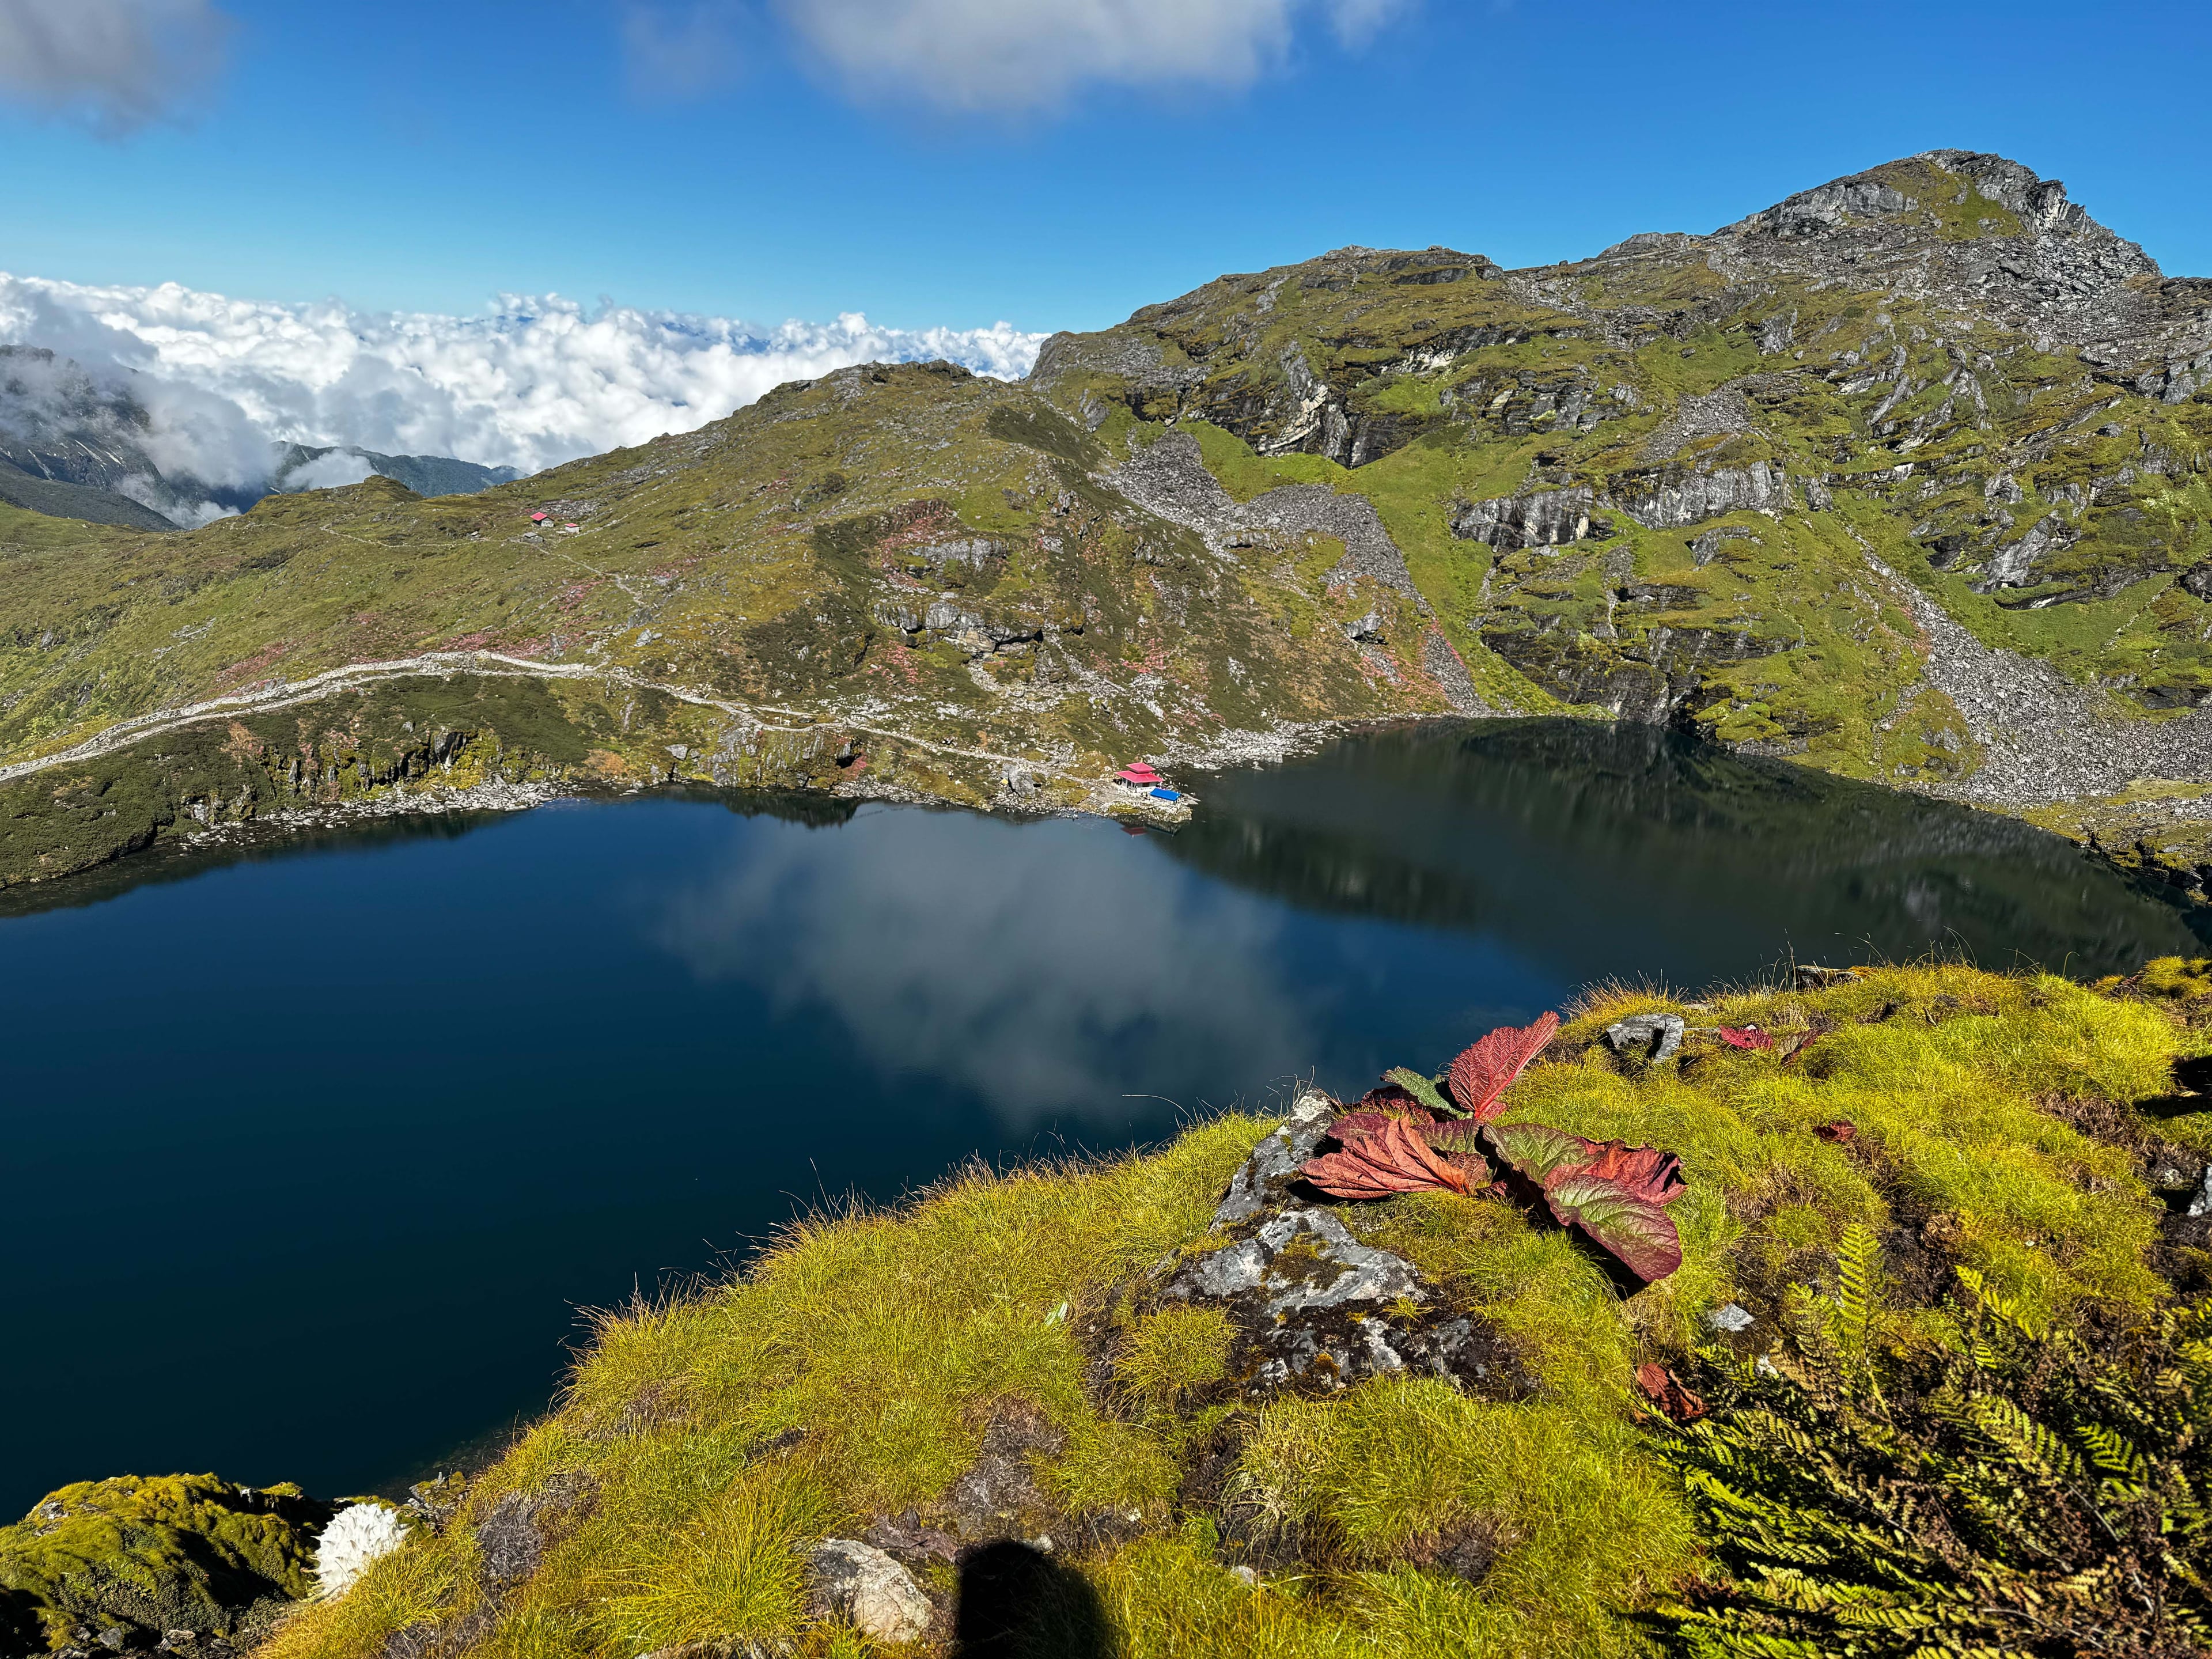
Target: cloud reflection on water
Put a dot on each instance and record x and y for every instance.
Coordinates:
(1065, 967)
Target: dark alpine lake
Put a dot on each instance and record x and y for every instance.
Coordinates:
(314, 1149)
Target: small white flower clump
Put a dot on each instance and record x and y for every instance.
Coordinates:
(356, 1536)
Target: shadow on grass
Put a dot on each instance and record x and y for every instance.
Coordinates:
(1016, 1602)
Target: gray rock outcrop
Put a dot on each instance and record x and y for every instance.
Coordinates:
(1313, 1307)
(1542, 518)
(1654, 1038)
(1169, 478)
(848, 1579)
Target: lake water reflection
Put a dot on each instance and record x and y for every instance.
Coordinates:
(313, 1153)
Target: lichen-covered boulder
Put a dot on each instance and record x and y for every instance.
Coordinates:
(1310, 1305)
(124, 1564)
(862, 1584)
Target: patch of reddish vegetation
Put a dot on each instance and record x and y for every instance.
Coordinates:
(575, 594)
(477, 641)
(1376, 664)
(247, 667)
(897, 658)
(917, 522)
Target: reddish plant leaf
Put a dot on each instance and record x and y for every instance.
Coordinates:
(1800, 1046)
(1460, 1142)
(1472, 1165)
(1643, 1172)
(1364, 1120)
(1668, 1392)
(1453, 1135)
(1746, 1037)
(1480, 1075)
(1534, 1150)
(1636, 1233)
(1392, 1158)
(1395, 1101)
(1842, 1130)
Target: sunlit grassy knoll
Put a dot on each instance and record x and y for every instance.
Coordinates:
(857, 1369)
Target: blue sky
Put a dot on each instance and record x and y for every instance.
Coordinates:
(727, 159)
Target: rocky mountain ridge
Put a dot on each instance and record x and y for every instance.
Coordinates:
(1902, 478)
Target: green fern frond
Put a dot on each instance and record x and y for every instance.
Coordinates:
(1858, 1278)
(2112, 1453)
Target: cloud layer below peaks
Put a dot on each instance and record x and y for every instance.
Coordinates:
(538, 382)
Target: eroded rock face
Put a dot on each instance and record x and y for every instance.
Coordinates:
(1543, 517)
(1169, 478)
(1694, 497)
(1313, 1307)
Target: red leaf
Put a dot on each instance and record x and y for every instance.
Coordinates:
(1746, 1037)
(1395, 1101)
(1480, 1075)
(1453, 1135)
(1460, 1141)
(1667, 1391)
(1534, 1150)
(1842, 1130)
(1362, 1120)
(1635, 1232)
(1800, 1046)
(1643, 1172)
(1472, 1165)
(1391, 1159)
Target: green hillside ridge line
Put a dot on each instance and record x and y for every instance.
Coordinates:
(992, 1363)
(1902, 478)
(477, 664)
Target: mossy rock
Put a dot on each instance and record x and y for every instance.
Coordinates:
(144, 1557)
(2183, 979)
(2173, 979)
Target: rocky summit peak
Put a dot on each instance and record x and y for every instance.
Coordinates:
(1967, 228)
(1952, 195)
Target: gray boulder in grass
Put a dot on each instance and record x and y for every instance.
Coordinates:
(860, 1582)
(1654, 1037)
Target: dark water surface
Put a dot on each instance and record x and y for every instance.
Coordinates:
(312, 1153)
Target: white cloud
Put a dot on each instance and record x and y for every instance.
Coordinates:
(1048, 975)
(332, 472)
(120, 63)
(540, 381)
(680, 51)
(1019, 55)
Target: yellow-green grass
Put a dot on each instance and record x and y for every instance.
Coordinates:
(706, 1440)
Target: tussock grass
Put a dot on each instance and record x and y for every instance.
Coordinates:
(854, 1371)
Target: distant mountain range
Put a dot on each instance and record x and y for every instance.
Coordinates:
(72, 448)
(1903, 478)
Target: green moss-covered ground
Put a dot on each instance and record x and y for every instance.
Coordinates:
(2026, 1128)
(104, 1562)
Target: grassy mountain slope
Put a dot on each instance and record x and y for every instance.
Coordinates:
(879, 1371)
(1903, 477)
